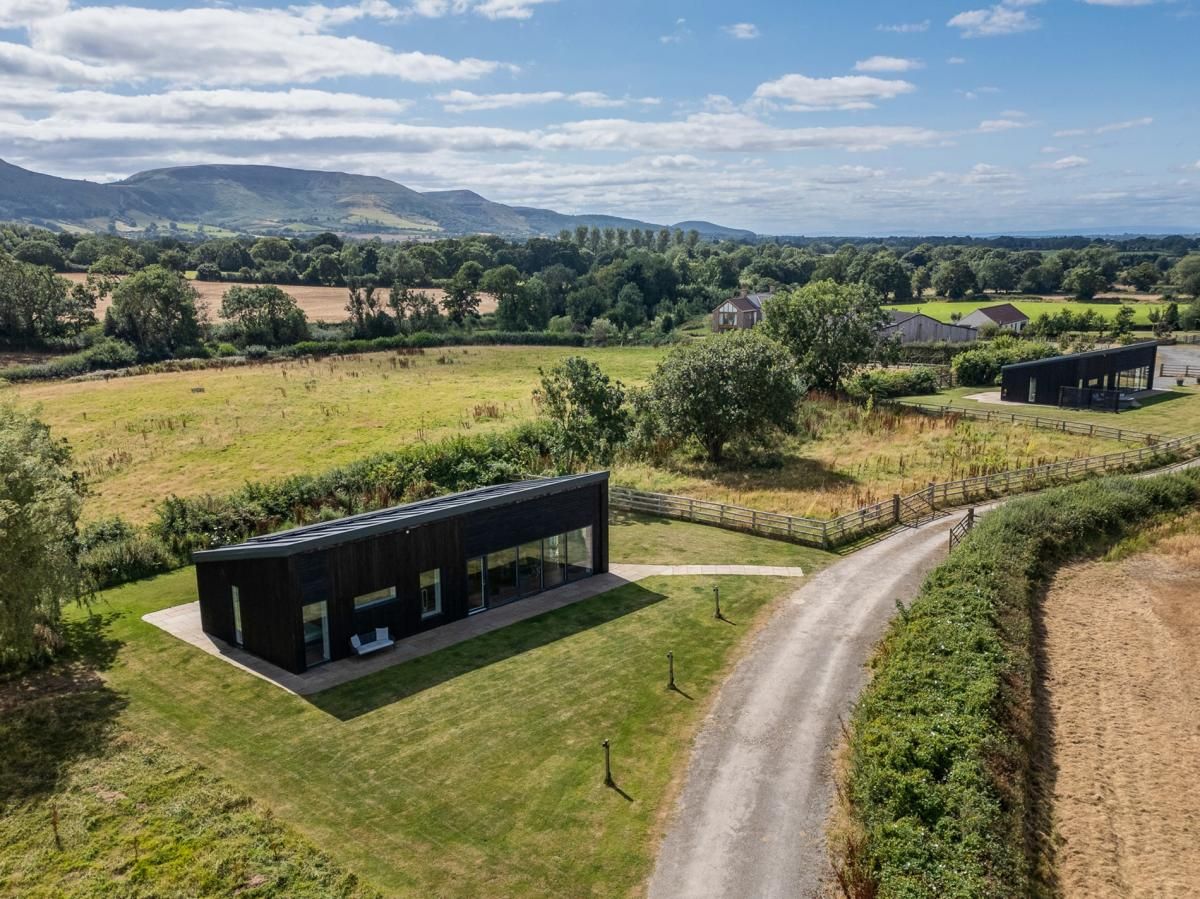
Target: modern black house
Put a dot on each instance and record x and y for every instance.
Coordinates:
(1099, 379)
(297, 598)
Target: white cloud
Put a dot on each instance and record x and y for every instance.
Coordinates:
(1106, 129)
(977, 92)
(801, 93)
(995, 21)
(1051, 149)
(743, 31)
(19, 13)
(1067, 162)
(888, 64)
(215, 46)
(1119, 2)
(990, 126)
(728, 132)
(680, 33)
(491, 9)
(905, 27)
(955, 61)
(1124, 126)
(467, 101)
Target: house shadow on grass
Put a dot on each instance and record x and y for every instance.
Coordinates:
(389, 685)
(53, 717)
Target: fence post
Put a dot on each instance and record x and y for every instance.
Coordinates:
(754, 519)
(896, 508)
(931, 505)
(970, 517)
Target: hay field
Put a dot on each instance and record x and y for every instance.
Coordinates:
(319, 303)
(1122, 694)
(139, 439)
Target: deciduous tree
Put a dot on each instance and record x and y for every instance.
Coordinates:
(738, 384)
(828, 328)
(40, 499)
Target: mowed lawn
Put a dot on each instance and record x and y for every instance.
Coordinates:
(139, 439)
(942, 310)
(1173, 413)
(475, 771)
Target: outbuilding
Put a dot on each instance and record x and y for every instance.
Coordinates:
(917, 327)
(1100, 379)
(298, 598)
(1004, 317)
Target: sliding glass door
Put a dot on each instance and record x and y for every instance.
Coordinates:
(501, 576)
(554, 561)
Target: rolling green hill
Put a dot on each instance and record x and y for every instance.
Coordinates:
(262, 199)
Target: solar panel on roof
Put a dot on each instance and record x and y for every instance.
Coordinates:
(328, 533)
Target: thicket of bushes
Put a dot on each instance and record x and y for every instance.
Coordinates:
(882, 383)
(980, 366)
(107, 354)
(113, 551)
(939, 780)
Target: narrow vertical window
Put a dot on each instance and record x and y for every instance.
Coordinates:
(431, 593)
(237, 616)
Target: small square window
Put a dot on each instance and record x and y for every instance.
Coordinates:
(431, 593)
(376, 598)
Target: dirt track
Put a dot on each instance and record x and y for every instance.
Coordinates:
(1123, 690)
(750, 819)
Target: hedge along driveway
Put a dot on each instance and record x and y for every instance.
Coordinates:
(942, 739)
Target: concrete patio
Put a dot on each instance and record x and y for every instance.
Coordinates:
(183, 622)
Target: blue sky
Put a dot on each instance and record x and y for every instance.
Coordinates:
(851, 118)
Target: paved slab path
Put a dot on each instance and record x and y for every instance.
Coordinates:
(751, 815)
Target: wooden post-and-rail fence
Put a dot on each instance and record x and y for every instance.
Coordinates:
(908, 510)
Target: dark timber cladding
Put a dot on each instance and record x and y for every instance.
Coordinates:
(297, 597)
(1123, 370)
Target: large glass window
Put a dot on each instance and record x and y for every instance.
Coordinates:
(237, 616)
(501, 576)
(529, 567)
(375, 598)
(579, 553)
(554, 564)
(476, 594)
(316, 633)
(431, 593)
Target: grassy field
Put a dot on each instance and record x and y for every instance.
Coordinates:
(140, 439)
(943, 309)
(662, 541)
(474, 771)
(846, 457)
(1174, 413)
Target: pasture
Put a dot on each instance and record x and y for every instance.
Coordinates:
(1173, 413)
(320, 303)
(942, 310)
(139, 439)
(845, 457)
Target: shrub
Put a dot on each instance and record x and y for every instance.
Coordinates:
(257, 351)
(880, 383)
(980, 367)
(113, 552)
(942, 743)
(375, 482)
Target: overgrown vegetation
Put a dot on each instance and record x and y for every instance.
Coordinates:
(40, 497)
(880, 383)
(938, 789)
(981, 366)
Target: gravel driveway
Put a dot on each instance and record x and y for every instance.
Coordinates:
(750, 819)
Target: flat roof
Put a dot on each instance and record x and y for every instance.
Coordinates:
(369, 524)
(1141, 345)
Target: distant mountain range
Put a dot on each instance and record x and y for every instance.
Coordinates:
(263, 199)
